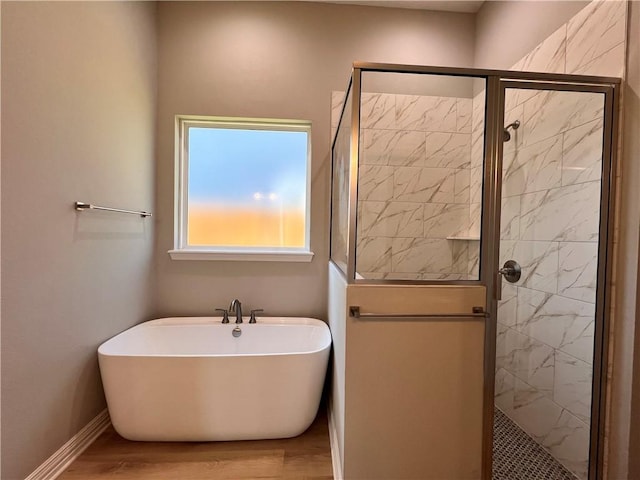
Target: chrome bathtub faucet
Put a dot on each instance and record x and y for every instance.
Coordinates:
(236, 307)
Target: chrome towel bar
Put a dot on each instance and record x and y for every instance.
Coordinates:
(87, 206)
(477, 312)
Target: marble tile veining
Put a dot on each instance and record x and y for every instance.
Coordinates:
(390, 219)
(451, 150)
(503, 355)
(373, 254)
(582, 153)
(377, 110)
(440, 114)
(463, 118)
(596, 29)
(504, 390)
(562, 323)
(460, 257)
(538, 261)
(461, 186)
(550, 113)
(572, 385)
(392, 147)
(421, 255)
(475, 185)
(529, 360)
(609, 64)
(478, 108)
(409, 112)
(432, 113)
(375, 182)
(508, 305)
(549, 56)
(442, 220)
(474, 261)
(510, 218)
(475, 218)
(568, 213)
(577, 270)
(424, 185)
(568, 442)
(476, 158)
(533, 168)
(534, 412)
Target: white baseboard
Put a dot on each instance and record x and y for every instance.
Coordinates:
(333, 441)
(61, 459)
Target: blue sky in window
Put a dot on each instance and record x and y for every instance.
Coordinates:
(242, 167)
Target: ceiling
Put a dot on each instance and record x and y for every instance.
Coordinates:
(467, 6)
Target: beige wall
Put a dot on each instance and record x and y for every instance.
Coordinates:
(278, 59)
(507, 30)
(78, 113)
(414, 389)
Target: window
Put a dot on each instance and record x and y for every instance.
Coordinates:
(242, 190)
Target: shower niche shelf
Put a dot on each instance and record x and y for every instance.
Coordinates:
(464, 238)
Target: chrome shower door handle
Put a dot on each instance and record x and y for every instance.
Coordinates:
(511, 271)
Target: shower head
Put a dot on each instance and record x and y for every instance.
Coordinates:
(506, 136)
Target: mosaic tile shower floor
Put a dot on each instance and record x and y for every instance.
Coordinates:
(517, 457)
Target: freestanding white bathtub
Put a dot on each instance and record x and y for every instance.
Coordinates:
(190, 379)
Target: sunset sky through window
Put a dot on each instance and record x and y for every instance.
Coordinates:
(247, 187)
(229, 166)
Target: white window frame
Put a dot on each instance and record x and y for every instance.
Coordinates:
(181, 250)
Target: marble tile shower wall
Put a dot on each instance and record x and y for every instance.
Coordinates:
(550, 210)
(413, 189)
(413, 186)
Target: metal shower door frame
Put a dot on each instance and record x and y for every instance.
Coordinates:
(609, 87)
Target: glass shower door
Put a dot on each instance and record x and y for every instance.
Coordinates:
(552, 248)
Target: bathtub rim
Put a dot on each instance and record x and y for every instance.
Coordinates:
(186, 321)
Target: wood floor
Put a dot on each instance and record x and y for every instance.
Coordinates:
(112, 457)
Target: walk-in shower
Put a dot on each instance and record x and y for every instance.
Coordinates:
(446, 183)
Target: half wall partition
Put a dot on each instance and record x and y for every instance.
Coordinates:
(439, 177)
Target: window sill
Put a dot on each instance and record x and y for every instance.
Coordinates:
(243, 255)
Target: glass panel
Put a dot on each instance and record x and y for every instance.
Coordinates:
(420, 177)
(246, 187)
(551, 180)
(340, 184)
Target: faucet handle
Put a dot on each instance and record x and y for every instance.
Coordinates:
(225, 314)
(253, 314)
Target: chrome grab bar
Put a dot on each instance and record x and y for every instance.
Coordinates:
(87, 206)
(477, 312)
